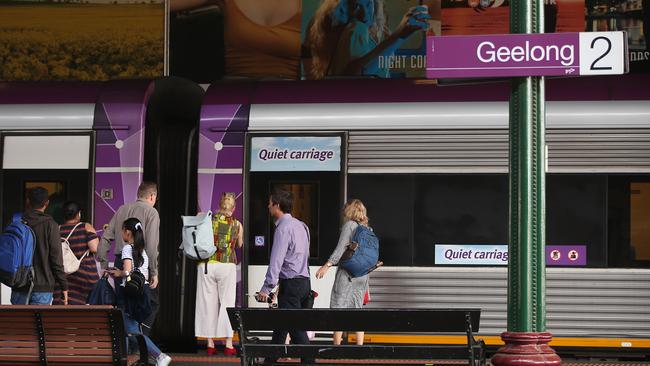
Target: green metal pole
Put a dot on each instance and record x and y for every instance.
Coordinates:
(526, 268)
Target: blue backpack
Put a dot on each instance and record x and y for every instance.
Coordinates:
(17, 244)
(363, 252)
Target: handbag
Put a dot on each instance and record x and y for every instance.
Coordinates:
(71, 263)
(102, 293)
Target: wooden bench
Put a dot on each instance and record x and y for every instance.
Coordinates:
(371, 320)
(64, 335)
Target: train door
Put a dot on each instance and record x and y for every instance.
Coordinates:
(311, 168)
(59, 162)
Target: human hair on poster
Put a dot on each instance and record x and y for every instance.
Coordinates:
(300, 39)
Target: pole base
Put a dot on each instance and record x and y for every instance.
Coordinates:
(526, 349)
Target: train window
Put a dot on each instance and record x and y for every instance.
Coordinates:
(305, 208)
(629, 221)
(640, 221)
(389, 200)
(317, 202)
(459, 209)
(413, 213)
(576, 211)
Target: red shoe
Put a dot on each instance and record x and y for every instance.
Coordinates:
(212, 351)
(230, 351)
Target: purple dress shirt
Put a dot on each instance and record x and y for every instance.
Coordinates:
(290, 252)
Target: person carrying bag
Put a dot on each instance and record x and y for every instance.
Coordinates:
(216, 283)
(137, 298)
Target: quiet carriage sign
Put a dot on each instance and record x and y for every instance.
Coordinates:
(537, 54)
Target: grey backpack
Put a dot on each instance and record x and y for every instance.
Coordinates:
(198, 238)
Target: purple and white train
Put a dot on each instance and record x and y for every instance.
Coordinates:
(430, 162)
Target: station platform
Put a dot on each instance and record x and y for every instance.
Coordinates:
(192, 359)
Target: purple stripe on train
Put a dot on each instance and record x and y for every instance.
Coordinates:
(119, 145)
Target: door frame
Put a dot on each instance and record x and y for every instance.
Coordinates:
(343, 172)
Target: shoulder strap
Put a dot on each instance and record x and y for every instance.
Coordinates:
(71, 231)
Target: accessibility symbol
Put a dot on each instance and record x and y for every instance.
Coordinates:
(259, 241)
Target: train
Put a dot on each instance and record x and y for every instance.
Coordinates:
(429, 160)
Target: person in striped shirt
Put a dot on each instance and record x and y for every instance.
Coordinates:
(83, 242)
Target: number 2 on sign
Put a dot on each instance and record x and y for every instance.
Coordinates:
(603, 53)
(609, 48)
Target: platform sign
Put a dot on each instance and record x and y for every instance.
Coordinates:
(295, 153)
(541, 54)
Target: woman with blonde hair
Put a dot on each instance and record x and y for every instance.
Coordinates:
(348, 37)
(216, 286)
(348, 292)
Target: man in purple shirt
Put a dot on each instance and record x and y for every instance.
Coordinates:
(289, 262)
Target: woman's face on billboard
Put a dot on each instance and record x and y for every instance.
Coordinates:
(364, 11)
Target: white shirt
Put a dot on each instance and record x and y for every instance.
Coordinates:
(127, 253)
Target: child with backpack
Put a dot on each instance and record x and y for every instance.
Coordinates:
(216, 285)
(135, 275)
(359, 247)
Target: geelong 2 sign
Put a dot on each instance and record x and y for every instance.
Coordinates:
(542, 54)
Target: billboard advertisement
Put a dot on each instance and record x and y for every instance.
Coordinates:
(316, 39)
(81, 39)
(300, 39)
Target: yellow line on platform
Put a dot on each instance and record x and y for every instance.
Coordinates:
(496, 340)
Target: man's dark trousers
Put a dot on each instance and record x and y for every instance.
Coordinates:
(292, 294)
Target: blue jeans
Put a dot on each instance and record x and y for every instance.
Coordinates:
(132, 327)
(37, 298)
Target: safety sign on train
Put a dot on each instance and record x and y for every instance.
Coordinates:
(539, 54)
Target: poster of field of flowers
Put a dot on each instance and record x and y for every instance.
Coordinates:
(81, 40)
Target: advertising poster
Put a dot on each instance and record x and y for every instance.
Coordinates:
(631, 16)
(296, 153)
(371, 38)
(470, 17)
(317, 39)
(81, 40)
(300, 39)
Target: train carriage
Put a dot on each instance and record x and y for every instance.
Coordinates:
(430, 162)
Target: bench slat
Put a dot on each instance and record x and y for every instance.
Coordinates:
(66, 318)
(357, 352)
(48, 325)
(18, 337)
(18, 330)
(26, 343)
(99, 332)
(20, 351)
(77, 343)
(371, 320)
(13, 360)
(65, 338)
(78, 351)
(86, 360)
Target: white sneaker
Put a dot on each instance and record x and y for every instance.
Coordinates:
(163, 360)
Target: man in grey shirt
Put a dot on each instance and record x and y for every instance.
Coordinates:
(143, 210)
(289, 262)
